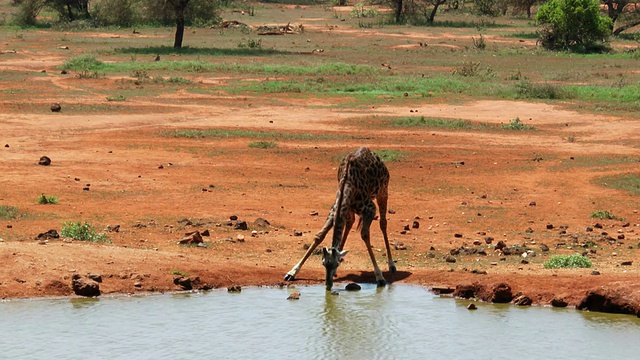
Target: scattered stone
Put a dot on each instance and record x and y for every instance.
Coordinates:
(334, 293)
(184, 282)
(472, 307)
(352, 287)
(55, 107)
(406, 227)
(313, 213)
(399, 246)
(533, 203)
(84, 286)
(241, 225)
(488, 240)
(529, 230)
(297, 233)
(598, 226)
(234, 289)
(261, 222)
(457, 235)
(44, 161)
(191, 238)
(442, 290)
(549, 226)
(233, 217)
(465, 291)
(294, 296)
(205, 233)
(51, 234)
(137, 284)
(477, 242)
(544, 247)
(240, 238)
(621, 237)
(112, 228)
(482, 252)
(626, 263)
(500, 245)
(18, 280)
(558, 302)
(95, 277)
(588, 229)
(415, 224)
(479, 272)
(522, 300)
(595, 272)
(450, 259)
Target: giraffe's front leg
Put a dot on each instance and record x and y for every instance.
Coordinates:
(317, 240)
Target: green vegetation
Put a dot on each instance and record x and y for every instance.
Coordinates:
(8, 212)
(391, 155)
(628, 182)
(82, 231)
(178, 272)
(224, 133)
(429, 122)
(515, 124)
(568, 262)
(262, 144)
(116, 98)
(44, 199)
(604, 215)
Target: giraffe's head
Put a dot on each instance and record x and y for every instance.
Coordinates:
(331, 259)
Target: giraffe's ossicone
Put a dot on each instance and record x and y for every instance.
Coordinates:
(362, 178)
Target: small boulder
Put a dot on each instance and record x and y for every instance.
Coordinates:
(191, 238)
(55, 107)
(558, 302)
(472, 307)
(352, 287)
(51, 234)
(241, 225)
(84, 286)
(44, 161)
(522, 300)
(184, 282)
(294, 296)
(234, 289)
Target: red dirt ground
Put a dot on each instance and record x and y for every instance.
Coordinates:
(207, 180)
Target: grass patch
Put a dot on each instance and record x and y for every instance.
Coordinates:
(391, 155)
(440, 123)
(82, 231)
(44, 199)
(178, 272)
(515, 124)
(224, 133)
(116, 98)
(525, 89)
(568, 262)
(262, 144)
(605, 215)
(187, 50)
(628, 182)
(83, 63)
(8, 212)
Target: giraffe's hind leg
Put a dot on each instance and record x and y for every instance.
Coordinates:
(382, 198)
(367, 217)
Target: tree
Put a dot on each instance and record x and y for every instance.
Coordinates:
(70, 10)
(181, 13)
(179, 6)
(567, 24)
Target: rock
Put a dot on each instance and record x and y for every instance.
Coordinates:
(297, 233)
(477, 242)
(294, 296)
(472, 307)
(615, 301)
(442, 290)
(457, 235)
(558, 302)
(544, 247)
(51, 234)
(450, 259)
(261, 222)
(183, 281)
(241, 225)
(95, 277)
(415, 224)
(500, 245)
(595, 272)
(233, 217)
(499, 293)
(479, 272)
(399, 246)
(55, 107)
(313, 213)
(532, 203)
(406, 227)
(522, 300)
(44, 161)
(466, 291)
(205, 233)
(84, 286)
(234, 289)
(626, 263)
(488, 240)
(191, 238)
(352, 287)
(112, 228)
(549, 226)
(240, 238)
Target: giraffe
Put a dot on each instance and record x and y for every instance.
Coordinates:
(362, 177)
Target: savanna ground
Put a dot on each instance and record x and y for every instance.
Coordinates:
(255, 126)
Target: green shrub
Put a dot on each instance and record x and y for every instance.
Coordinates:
(81, 231)
(572, 24)
(568, 261)
(525, 89)
(515, 124)
(44, 199)
(604, 215)
(83, 63)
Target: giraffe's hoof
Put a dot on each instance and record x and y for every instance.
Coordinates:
(392, 269)
(381, 283)
(289, 277)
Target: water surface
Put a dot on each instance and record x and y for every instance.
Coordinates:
(395, 322)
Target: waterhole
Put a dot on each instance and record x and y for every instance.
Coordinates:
(395, 322)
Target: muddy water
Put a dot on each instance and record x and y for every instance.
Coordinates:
(396, 322)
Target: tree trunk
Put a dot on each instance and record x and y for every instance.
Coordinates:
(180, 6)
(436, 4)
(398, 11)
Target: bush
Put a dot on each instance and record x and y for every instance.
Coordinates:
(44, 199)
(568, 261)
(572, 25)
(81, 231)
(8, 212)
(116, 12)
(28, 10)
(604, 215)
